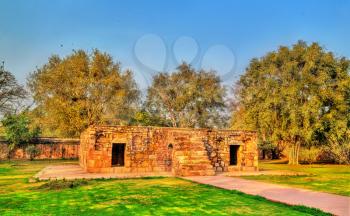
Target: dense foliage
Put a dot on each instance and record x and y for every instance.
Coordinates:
(81, 90)
(18, 131)
(297, 96)
(187, 98)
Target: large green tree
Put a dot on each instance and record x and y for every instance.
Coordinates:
(82, 89)
(187, 98)
(295, 96)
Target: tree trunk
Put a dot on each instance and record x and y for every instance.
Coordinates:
(294, 154)
(173, 119)
(263, 155)
(173, 122)
(10, 153)
(274, 154)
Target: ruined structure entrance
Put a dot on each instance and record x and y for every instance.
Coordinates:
(118, 150)
(233, 154)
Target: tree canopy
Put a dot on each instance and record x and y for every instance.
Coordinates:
(11, 93)
(82, 89)
(187, 98)
(295, 96)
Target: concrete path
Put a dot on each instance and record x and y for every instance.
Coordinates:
(264, 172)
(334, 204)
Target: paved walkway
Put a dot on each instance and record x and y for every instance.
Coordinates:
(335, 204)
(264, 172)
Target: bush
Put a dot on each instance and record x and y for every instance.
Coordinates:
(270, 150)
(63, 184)
(340, 152)
(309, 155)
(33, 151)
(17, 131)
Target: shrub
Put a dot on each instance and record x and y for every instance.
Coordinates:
(33, 151)
(340, 152)
(309, 155)
(18, 131)
(63, 184)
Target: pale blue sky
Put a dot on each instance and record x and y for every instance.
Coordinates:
(133, 32)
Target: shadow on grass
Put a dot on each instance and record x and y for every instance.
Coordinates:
(62, 184)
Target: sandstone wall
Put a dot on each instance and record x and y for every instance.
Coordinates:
(163, 150)
(50, 148)
(218, 147)
(146, 150)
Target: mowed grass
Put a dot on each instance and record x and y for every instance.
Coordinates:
(320, 177)
(148, 196)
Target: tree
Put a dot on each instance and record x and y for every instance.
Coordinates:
(82, 90)
(11, 93)
(335, 127)
(18, 132)
(187, 98)
(146, 118)
(290, 95)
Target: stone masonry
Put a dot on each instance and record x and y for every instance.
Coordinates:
(160, 150)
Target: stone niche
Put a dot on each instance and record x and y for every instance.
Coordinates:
(168, 151)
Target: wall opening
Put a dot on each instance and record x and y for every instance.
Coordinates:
(233, 154)
(118, 152)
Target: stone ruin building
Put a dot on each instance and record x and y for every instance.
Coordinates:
(171, 151)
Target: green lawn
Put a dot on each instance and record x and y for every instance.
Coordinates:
(149, 196)
(328, 178)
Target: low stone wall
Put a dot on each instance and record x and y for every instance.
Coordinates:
(50, 148)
